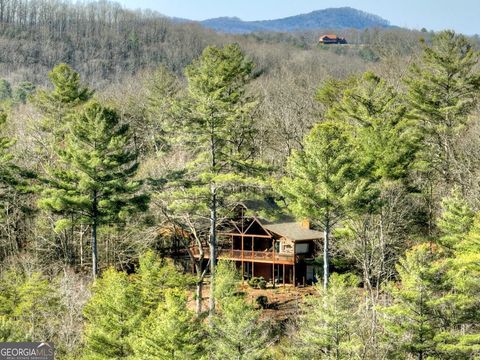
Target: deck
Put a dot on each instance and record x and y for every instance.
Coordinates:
(268, 257)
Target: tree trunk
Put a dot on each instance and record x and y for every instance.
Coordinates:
(326, 239)
(94, 235)
(199, 297)
(213, 248)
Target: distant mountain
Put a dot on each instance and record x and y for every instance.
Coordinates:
(333, 18)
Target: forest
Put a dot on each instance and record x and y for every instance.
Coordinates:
(125, 137)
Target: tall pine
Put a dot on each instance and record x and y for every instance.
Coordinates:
(325, 181)
(96, 178)
(443, 90)
(216, 127)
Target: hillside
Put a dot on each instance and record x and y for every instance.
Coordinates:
(334, 18)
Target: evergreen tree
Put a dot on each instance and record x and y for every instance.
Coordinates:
(456, 220)
(113, 314)
(237, 332)
(8, 170)
(459, 303)
(67, 95)
(217, 127)
(328, 323)
(443, 90)
(326, 180)
(154, 277)
(95, 181)
(228, 279)
(387, 139)
(169, 332)
(412, 322)
(5, 90)
(23, 92)
(29, 306)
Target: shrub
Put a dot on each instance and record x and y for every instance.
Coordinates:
(262, 301)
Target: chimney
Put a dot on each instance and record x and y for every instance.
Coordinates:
(306, 224)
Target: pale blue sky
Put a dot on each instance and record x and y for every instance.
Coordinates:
(460, 15)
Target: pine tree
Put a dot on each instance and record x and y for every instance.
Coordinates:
(387, 139)
(217, 127)
(154, 277)
(237, 332)
(23, 92)
(443, 90)
(8, 170)
(95, 181)
(67, 95)
(459, 303)
(328, 322)
(412, 321)
(113, 314)
(228, 279)
(169, 332)
(326, 180)
(456, 220)
(29, 305)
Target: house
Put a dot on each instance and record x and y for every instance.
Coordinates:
(331, 39)
(281, 251)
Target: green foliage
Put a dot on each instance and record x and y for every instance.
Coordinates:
(328, 180)
(456, 220)
(170, 331)
(443, 90)
(228, 279)
(327, 327)
(325, 180)
(257, 282)
(156, 275)
(67, 95)
(141, 315)
(367, 54)
(29, 306)
(113, 315)
(23, 92)
(216, 127)
(238, 332)
(460, 305)
(8, 170)
(387, 139)
(5, 90)
(411, 321)
(95, 179)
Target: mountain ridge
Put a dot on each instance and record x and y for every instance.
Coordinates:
(330, 18)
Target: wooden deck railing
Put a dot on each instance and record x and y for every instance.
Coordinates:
(248, 255)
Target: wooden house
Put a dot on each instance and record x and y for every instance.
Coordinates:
(281, 251)
(331, 39)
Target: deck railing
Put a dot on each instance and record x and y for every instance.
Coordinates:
(248, 255)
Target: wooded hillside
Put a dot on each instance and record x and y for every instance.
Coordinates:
(126, 139)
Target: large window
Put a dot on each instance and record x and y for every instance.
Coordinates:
(301, 248)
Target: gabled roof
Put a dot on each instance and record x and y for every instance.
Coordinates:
(277, 222)
(293, 231)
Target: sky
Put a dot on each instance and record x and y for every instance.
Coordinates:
(460, 15)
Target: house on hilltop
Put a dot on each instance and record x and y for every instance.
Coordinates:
(280, 251)
(331, 39)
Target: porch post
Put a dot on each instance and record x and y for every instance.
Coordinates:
(283, 275)
(243, 270)
(273, 262)
(294, 263)
(253, 258)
